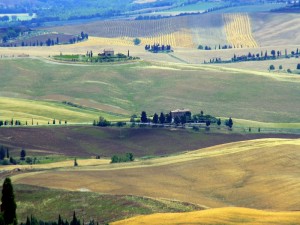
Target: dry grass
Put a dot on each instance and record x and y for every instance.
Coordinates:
(276, 29)
(238, 31)
(261, 174)
(224, 216)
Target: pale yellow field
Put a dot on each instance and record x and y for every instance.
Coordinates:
(182, 38)
(262, 174)
(224, 216)
(238, 30)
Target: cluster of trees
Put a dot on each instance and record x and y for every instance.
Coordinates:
(158, 48)
(168, 119)
(102, 122)
(280, 67)
(128, 157)
(186, 118)
(7, 159)
(12, 122)
(10, 33)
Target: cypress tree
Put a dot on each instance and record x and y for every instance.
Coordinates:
(8, 206)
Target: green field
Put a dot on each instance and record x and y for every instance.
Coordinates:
(199, 6)
(130, 88)
(46, 204)
(251, 8)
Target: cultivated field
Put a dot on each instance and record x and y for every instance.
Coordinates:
(75, 141)
(238, 31)
(261, 174)
(226, 216)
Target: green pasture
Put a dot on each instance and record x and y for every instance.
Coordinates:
(138, 86)
(47, 204)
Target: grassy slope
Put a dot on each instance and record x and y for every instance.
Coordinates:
(46, 204)
(261, 174)
(44, 111)
(224, 216)
(131, 88)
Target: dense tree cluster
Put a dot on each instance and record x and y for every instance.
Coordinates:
(158, 48)
(128, 157)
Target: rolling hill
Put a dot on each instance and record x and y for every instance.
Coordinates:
(127, 89)
(261, 174)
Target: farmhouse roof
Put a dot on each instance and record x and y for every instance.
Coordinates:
(180, 110)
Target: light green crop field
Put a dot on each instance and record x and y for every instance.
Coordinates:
(43, 111)
(126, 89)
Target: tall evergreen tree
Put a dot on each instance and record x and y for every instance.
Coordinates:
(155, 118)
(230, 122)
(162, 118)
(8, 205)
(144, 118)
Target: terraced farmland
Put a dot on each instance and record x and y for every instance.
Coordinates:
(238, 30)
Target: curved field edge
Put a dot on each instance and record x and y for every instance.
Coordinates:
(104, 164)
(226, 216)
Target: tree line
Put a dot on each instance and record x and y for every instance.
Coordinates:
(259, 56)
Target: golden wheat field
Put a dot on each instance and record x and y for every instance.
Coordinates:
(224, 216)
(238, 30)
(262, 174)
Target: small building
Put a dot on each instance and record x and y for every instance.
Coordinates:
(180, 112)
(108, 52)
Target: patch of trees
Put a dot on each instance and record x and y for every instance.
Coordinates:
(156, 48)
(102, 122)
(11, 122)
(7, 159)
(11, 33)
(128, 157)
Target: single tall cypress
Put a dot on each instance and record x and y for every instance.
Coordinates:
(8, 205)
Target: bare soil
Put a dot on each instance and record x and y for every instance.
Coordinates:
(84, 141)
